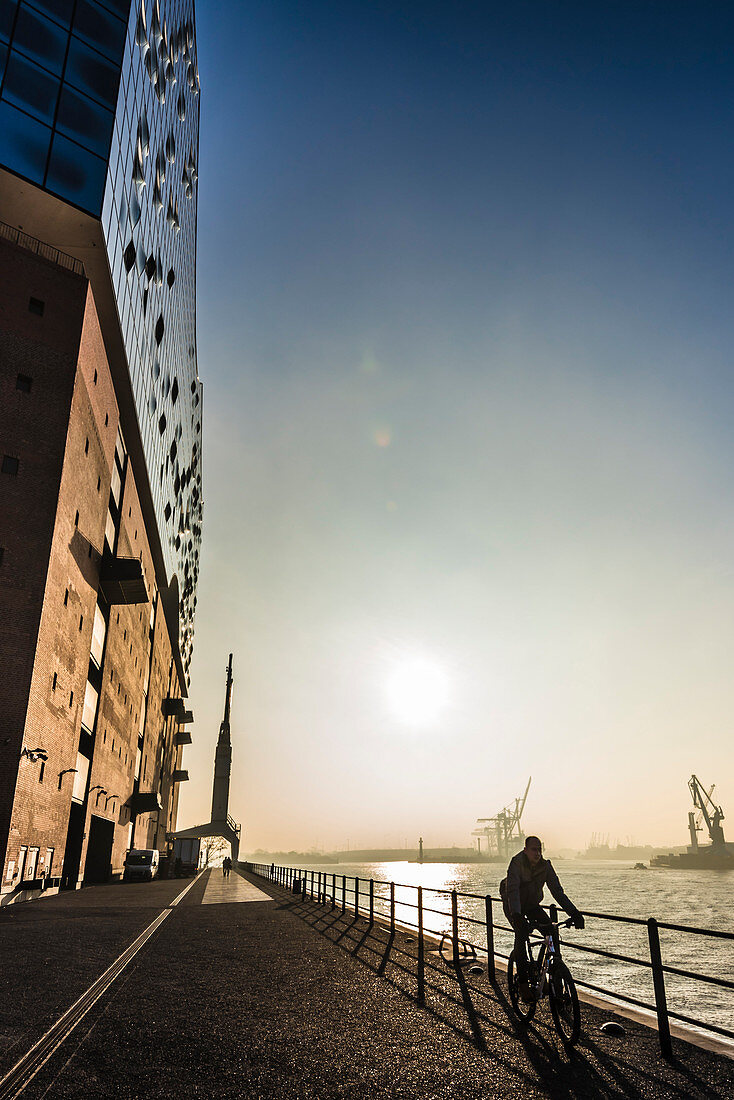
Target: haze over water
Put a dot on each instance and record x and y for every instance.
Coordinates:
(465, 330)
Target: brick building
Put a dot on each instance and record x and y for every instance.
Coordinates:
(100, 433)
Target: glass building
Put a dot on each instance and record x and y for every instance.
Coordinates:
(99, 121)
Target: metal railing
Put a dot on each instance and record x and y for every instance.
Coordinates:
(54, 255)
(375, 899)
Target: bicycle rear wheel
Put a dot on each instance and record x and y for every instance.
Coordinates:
(524, 1009)
(564, 1003)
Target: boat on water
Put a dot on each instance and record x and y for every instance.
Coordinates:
(711, 858)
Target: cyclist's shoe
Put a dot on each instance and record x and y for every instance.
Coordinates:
(527, 992)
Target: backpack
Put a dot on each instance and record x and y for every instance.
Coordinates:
(503, 898)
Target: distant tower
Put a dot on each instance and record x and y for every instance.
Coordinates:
(223, 758)
(221, 823)
(420, 849)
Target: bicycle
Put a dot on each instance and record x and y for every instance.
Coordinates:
(549, 975)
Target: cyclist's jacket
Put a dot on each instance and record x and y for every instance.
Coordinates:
(522, 890)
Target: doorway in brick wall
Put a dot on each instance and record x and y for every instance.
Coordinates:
(98, 864)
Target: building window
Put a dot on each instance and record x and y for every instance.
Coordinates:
(89, 710)
(98, 636)
(23, 383)
(35, 305)
(10, 465)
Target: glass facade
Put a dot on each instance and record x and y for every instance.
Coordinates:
(99, 105)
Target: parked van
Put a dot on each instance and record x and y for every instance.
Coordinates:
(141, 863)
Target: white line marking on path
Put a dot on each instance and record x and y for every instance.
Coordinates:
(23, 1072)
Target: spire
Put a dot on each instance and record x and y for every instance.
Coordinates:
(223, 758)
(224, 728)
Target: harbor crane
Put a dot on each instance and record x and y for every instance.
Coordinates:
(502, 832)
(705, 808)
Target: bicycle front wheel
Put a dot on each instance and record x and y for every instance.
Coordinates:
(564, 1004)
(524, 1009)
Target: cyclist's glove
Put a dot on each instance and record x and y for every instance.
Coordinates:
(520, 924)
(578, 919)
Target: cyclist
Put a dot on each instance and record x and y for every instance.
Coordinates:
(522, 893)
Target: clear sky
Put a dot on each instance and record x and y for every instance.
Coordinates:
(466, 330)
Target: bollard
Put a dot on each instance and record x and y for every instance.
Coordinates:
(372, 902)
(658, 981)
(490, 938)
(392, 908)
(455, 927)
(421, 960)
(356, 897)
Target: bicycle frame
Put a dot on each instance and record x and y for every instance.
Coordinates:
(549, 951)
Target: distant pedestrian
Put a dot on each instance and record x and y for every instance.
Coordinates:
(272, 870)
(226, 866)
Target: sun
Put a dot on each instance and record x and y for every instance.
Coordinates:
(417, 691)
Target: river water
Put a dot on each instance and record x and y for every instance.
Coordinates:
(699, 899)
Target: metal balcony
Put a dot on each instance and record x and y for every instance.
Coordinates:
(173, 708)
(121, 581)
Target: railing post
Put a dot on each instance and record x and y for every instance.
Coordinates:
(356, 897)
(392, 908)
(455, 927)
(658, 981)
(333, 890)
(372, 902)
(421, 959)
(489, 919)
(344, 892)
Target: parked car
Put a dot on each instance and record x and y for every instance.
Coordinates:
(141, 863)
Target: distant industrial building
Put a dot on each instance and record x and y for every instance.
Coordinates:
(100, 432)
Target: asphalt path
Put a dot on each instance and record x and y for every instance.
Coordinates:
(286, 999)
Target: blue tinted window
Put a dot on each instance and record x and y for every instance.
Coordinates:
(7, 18)
(120, 7)
(77, 175)
(23, 143)
(60, 10)
(84, 120)
(100, 29)
(91, 73)
(31, 88)
(40, 39)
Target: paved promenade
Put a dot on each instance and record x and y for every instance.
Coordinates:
(242, 994)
